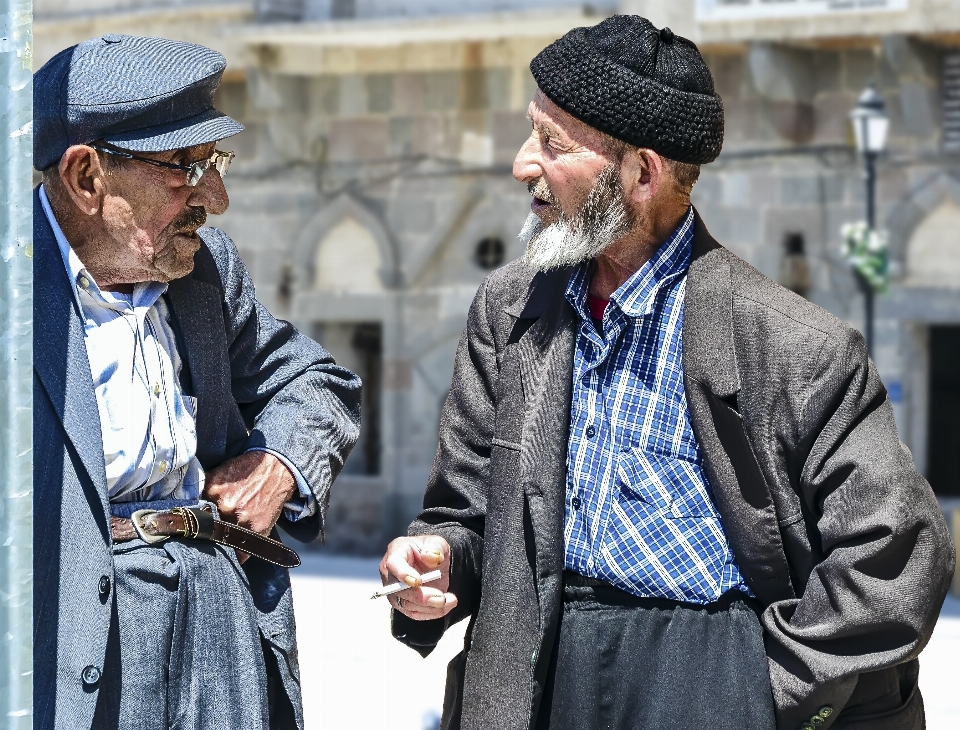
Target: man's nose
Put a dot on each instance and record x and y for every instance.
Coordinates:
(210, 194)
(526, 166)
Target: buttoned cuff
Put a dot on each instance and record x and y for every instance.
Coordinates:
(305, 503)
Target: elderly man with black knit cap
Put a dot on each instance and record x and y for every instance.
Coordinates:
(669, 494)
(176, 422)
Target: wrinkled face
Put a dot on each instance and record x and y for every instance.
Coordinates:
(574, 178)
(560, 161)
(151, 216)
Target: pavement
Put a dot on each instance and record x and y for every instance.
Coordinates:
(355, 675)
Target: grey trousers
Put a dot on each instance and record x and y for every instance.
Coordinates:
(626, 663)
(186, 650)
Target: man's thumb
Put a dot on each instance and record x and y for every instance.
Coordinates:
(431, 551)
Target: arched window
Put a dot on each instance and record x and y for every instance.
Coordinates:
(933, 254)
(348, 260)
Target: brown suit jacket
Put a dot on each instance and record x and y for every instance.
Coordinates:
(833, 528)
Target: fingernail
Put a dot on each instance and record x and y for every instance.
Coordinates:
(411, 580)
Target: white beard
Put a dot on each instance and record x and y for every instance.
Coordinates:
(601, 220)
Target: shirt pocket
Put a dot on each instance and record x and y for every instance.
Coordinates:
(674, 487)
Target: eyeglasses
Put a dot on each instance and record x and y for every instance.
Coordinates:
(195, 171)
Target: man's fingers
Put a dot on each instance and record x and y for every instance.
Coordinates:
(437, 606)
(433, 551)
(396, 564)
(423, 597)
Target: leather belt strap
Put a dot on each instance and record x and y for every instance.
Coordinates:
(196, 523)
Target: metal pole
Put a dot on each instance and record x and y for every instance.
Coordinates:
(870, 177)
(16, 365)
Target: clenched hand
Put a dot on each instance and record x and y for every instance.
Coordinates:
(250, 490)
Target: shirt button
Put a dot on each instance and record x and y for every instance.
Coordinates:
(163, 467)
(156, 389)
(104, 586)
(591, 432)
(84, 282)
(575, 502)
(90, 675)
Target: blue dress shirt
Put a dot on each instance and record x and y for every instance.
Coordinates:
(147, 422)
(639, 511)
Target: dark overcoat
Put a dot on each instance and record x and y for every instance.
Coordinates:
(834, 530)
(257, 381)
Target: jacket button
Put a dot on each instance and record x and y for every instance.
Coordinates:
(807, 726)
(90, 675)
(825, 711)
(104, 586)
(817, 721)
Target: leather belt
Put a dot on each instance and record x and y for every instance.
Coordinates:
(198, 523)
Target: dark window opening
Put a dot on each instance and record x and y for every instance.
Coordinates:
(794, 267)
(358, 346)
(944, 424)
(285, 288)
(489, 253)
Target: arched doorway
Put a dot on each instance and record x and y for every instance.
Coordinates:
(347, 263)
(933, 264)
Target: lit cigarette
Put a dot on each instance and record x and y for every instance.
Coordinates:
(397, 587)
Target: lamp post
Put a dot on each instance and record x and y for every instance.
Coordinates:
(870, 125)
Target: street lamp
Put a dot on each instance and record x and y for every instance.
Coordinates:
(870, 126)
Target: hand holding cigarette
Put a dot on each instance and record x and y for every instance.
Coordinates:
(408, 565)
(397, 587)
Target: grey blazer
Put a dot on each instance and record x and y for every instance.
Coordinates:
(833, 528)
(258, 382)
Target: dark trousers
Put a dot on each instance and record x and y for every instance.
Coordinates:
(627, 663)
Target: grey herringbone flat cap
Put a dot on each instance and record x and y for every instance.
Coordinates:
(140, 94)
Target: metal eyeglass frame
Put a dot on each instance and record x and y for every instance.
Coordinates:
(219, 160)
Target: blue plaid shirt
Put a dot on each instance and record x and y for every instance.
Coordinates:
(639, 509)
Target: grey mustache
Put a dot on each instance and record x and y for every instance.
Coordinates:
(539, 189)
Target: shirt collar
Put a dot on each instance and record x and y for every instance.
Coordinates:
(145, 294)
(637, 295)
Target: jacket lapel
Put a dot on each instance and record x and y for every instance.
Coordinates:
(60, 355)
(712, 382)
(545, 355)
(195, 307)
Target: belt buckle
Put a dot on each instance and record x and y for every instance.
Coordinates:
(145, 536)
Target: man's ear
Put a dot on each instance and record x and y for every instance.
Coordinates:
(82, 177)
(642, 173)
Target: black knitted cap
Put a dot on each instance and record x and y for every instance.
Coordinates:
(647, 87)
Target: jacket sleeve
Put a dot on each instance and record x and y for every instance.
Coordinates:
(455, 501)
(887, 559)
(293, 396)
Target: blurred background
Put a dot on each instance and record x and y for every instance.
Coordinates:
(372, 193)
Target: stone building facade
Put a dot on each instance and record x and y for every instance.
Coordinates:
(372, 188)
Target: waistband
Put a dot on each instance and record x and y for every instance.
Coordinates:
(126, 509)
(596, 593)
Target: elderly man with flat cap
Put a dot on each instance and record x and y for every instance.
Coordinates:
(669, 494)
(176, 422)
